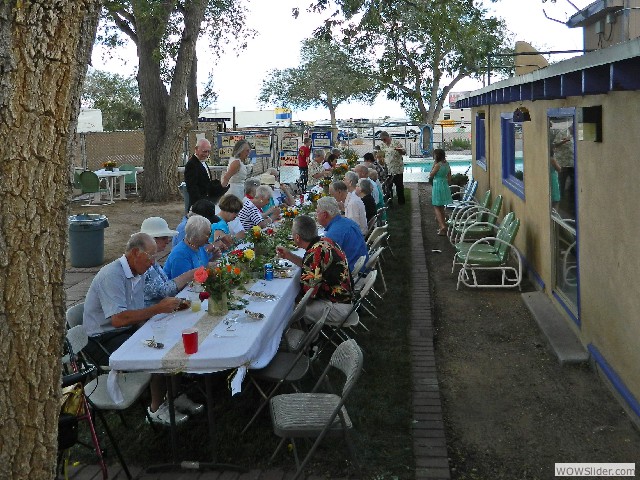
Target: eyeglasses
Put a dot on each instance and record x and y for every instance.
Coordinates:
(150, 257)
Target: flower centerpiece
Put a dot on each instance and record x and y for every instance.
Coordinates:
(351, 156)
(217, 283)
(324, 183)
(109, 165)
(262, 240)
(340, 170)
(241, 256)
(289, 212)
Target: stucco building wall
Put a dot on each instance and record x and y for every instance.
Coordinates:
(607, 175)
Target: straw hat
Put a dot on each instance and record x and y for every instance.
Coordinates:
(267, 179)
(157, 227)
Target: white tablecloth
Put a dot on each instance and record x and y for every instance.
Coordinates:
(247, 343)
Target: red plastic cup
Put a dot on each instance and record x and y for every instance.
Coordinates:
(190, 340)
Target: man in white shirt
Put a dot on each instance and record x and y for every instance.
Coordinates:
(350, 203)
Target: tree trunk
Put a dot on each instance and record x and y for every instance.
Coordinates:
(45, 47)
(166, 119)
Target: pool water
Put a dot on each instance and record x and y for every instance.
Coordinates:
(418, 170)
(415, 170)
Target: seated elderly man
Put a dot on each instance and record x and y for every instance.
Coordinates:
(256, 197)
(114, 308)
(343, 231)
(324, 269)
(352, 206)
(316, 170)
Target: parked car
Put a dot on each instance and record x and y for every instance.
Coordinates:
(344, 133)
(399, 128)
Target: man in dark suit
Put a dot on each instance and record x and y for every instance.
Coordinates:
(197, 177)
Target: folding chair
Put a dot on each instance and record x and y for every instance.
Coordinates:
(131, 179)
(292, 337)
(75, 340)
(289, 367)
(74, 315)
(90, 183)
(316, 414)
(132, 385)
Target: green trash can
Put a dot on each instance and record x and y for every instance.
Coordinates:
(86, 239)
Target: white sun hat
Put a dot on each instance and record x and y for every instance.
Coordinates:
(157, 227)
(267, 179)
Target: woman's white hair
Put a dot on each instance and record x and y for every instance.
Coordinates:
(264, 192)
(196, 228)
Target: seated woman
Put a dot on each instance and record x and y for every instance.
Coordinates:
(230, 206)
(156, 287)
(331, 162)
(364, 190)
(203, 207)
(157, 284)
(194, 250)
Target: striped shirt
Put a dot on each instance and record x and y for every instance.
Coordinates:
(249, 215)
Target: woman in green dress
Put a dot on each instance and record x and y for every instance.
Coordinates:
(440, 191)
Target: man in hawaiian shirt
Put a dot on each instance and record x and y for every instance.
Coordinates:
(393, 152)
(324, 269)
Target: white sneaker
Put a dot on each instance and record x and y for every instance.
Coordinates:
(161, 416)
(186, 405)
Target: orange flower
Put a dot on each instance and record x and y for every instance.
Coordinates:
(229, 268)
(236, 271)
(200, 275)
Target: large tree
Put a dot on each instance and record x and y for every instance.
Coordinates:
(327, 77)
(424, 47)
(116, 96)
(45, 47)
(165, 34)
(428, 47)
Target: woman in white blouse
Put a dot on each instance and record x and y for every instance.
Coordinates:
(237, 172)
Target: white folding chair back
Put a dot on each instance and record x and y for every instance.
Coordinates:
(74, 315)
(358, 266)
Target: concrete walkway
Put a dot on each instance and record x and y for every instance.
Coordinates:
(429, 443)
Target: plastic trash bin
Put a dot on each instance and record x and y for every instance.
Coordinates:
(86, 239)
(183, 190)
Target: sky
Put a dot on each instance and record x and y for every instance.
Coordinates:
(237, 78)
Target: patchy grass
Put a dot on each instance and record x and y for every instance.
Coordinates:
(380, 405)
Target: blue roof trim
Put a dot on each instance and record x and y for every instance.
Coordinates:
(611, 69)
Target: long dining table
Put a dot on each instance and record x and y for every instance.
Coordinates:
(235, 341)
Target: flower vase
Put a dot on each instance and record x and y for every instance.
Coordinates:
(261, 249)
(218, 307)
(109, 169)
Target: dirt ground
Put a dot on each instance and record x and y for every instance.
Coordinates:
(511, 411)
(125, 218)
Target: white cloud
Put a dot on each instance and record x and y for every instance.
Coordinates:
(237, 79)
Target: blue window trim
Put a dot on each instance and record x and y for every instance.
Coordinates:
(508, 156)
(480, 134)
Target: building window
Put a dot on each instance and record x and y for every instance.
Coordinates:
(481, 155)
(447, 116)
(512, 154)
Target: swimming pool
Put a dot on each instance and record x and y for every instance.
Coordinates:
(417, 170)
